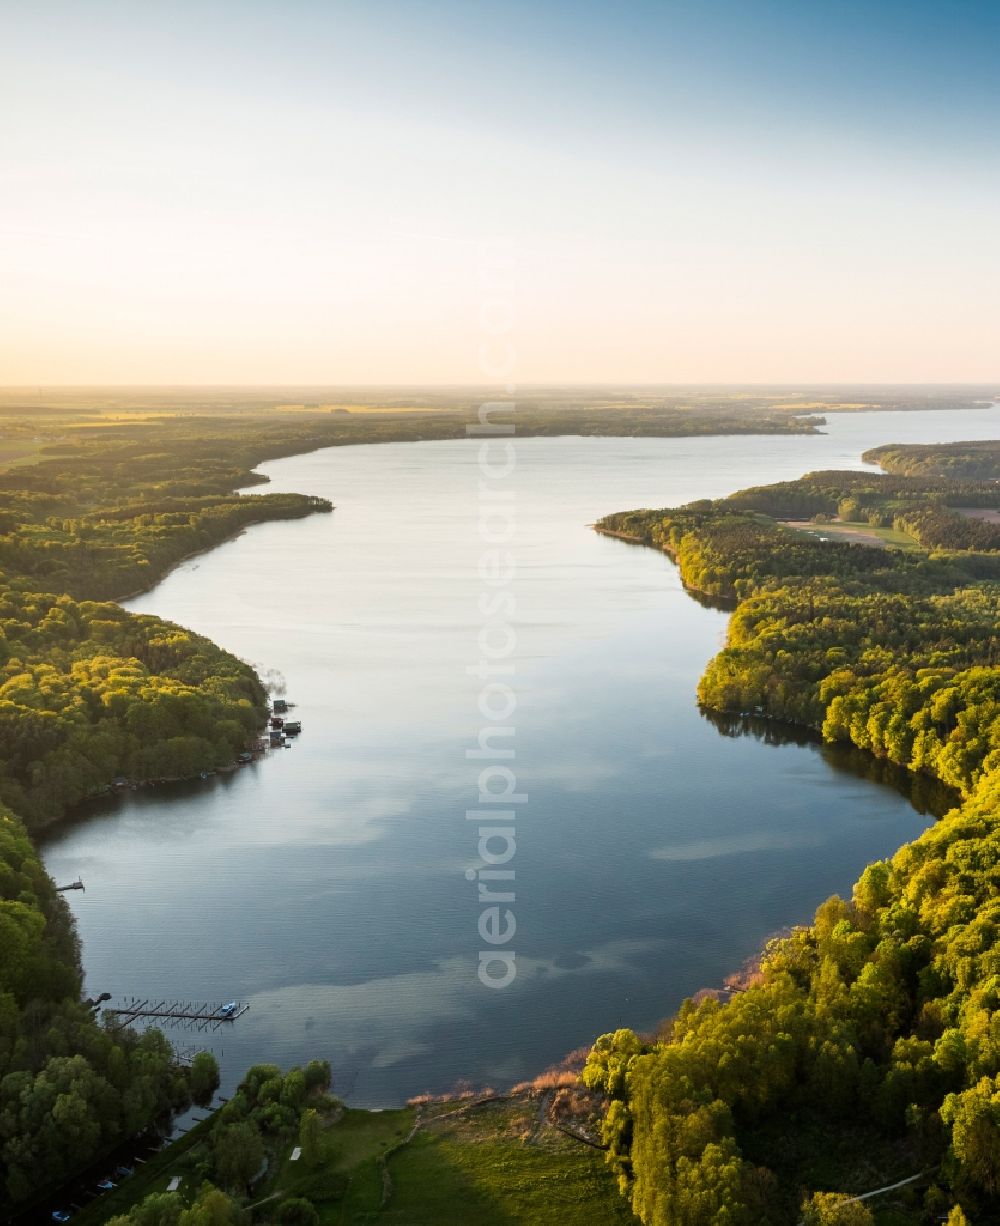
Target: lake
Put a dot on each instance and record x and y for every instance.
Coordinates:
(327, 883)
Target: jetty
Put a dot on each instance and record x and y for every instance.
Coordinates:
(205, 1014)
(73, 885)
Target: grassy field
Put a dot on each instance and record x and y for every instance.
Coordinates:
(14, 452)
(488, 1163)
(860, 533)
(496, 1167)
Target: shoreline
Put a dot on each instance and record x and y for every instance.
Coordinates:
(188, 557)
(618, 536)
(108, 791)
(725, 604)
(207, 549)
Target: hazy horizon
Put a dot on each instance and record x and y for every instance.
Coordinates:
(986, 386)
(316, 194)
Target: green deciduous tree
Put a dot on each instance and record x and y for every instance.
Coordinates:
(238, 1153)
(974, 1119)
(204, 1077)
(835, 1209)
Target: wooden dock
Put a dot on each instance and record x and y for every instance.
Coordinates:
(202, 1015)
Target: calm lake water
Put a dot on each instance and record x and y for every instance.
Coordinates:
(326, 884)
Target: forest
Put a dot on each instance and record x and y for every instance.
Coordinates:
(978, 460)
(869, 1039)
(69, 1089)
(88, 693)
(91, 694)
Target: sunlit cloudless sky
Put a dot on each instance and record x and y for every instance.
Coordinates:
(254, 191)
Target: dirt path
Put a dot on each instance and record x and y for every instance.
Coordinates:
(889, 1187)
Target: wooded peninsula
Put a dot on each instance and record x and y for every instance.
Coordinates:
(873, 1031)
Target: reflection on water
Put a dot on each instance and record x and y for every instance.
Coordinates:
(327, 884)
(926, 795)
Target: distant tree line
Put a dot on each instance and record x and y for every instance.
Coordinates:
(978, 460)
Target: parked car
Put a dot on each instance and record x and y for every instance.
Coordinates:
(61, 1215)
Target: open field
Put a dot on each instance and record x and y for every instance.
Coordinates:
(856, 533)
(495, 1165)
(496, 1162)
(987, 514)
(15, 452)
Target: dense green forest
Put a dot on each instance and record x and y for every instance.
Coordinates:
(866, 1047)
(979, 460)
(90, 693)
(69, 1089)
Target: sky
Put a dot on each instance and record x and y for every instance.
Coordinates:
(414, 191)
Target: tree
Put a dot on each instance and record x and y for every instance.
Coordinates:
(710, 1190)
(204, 1077)
(609, 1062)
(212, 1208)
(297, 1212)
(160, 1209)
(239, 1152)
(974, 1118)
(835, 1209)
(311, 1137)
(293, 1089)
(318, 1076)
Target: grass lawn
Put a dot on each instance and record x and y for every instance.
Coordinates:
(489, 1165)
(495, 1166)
(347, 1182)
(443, 1182)
(861, 533)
